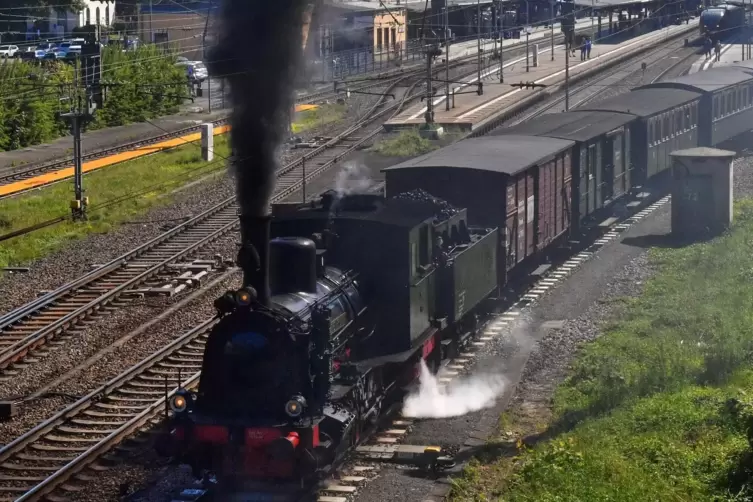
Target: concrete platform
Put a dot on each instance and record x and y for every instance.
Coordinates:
(470, 109)
(731, 54)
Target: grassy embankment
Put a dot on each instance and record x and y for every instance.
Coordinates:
(658, 408)
(151, 179)
(404, 144)
(317, 117)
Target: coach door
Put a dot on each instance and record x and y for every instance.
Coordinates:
(627, 162)
(616, 179)
(589, 176)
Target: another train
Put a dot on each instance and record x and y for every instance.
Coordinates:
(721, 20)
(343, 297)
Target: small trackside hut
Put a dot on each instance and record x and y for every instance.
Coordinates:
(666, 120)
(520, 184)
(601, 156)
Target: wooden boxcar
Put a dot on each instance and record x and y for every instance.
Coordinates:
(667, 120)
(601, 155)
(520, 184)
(726, 106)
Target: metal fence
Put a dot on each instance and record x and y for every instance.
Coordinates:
(338, 65)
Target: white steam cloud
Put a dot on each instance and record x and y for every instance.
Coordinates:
(465, 396)
(353, 178)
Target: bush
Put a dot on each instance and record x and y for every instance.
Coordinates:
(143, 84)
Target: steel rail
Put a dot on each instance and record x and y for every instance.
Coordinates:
(131, 376)
(17, 174)
(226, 209)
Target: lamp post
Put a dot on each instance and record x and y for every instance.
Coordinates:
(502, 47)
(551, 23)
(478, 30)
(528, 30)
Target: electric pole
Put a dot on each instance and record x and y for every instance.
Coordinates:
(431, 51)
(78, 117)
(151, 29)
(567, 74)
(478, 29)
(447, 58)
(502, 45)
(551, 12)
(528, 30)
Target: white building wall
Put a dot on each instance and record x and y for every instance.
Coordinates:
(62, 23)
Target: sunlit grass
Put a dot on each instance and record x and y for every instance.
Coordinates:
(156, 176)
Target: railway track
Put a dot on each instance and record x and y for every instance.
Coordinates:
(62, 449)
(16, 174)
(604, 82)
(50, 460)
(67, 310)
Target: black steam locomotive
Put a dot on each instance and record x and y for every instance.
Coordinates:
(343, 297)
(360, 289)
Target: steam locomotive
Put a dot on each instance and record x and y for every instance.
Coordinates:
(358, 290)
(343, 297)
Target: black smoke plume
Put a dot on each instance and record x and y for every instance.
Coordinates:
(258, 48)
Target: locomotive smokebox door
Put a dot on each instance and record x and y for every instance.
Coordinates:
(701, 192)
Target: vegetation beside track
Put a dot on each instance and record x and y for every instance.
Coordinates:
(317, 117)
(142, 84)
(405, 144)
(142, 183)
(659, 407)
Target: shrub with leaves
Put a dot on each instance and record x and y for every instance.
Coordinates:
(143, 84)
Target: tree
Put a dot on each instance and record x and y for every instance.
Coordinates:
(13, 12)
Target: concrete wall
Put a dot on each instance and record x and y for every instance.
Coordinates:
(182, 31)
(389, 30)
(61, 23)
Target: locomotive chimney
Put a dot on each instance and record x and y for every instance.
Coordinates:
(253, 257)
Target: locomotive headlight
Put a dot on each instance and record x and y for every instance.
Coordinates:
(244, 297)
(179, 402)
(294, 407)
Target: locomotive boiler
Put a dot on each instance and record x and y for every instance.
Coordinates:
(361, 288)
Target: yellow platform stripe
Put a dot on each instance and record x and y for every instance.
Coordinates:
(67, 172)
(303, 108)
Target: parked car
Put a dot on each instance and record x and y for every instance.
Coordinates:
(42, 49)
(8, 51)
(200, 73)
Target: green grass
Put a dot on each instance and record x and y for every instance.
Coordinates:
(405, 144)
(311, 119)
(156, 176)
(657, 409)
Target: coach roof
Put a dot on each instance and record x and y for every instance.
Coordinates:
(575, 125)
(706, 81)
(645, 102)
(508, 154)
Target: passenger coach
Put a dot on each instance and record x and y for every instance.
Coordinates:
(518, 183)
(665, 120)
(726, 103)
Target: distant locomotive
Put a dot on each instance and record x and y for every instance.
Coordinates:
(363, 287)
(721, 21)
